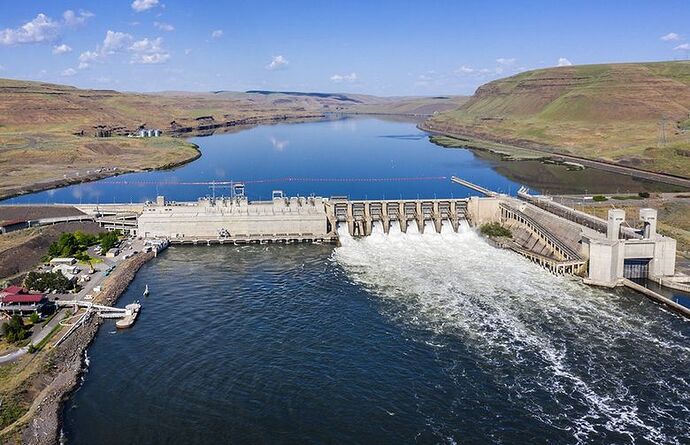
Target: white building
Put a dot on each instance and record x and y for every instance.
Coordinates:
(612, 258)
(149, 133)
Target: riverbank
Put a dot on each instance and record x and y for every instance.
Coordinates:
(95, 175)
(63, 366)
(519, 149)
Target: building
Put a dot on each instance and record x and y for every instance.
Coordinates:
(68, 271)
(234, 218)
(12, 225)
(18, 301)
(619, 254)
(67, 261)
(149, 133)
(13, 290)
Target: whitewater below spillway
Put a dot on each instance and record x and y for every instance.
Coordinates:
(573, 358)
(387, 339)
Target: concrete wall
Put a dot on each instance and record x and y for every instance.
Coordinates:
(207, 219)
(606, 257)
(483, 210)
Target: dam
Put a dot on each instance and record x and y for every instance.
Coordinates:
(283, 219)
(558, 238)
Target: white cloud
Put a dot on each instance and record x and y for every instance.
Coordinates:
(40, 29)
(86, 58)
(338, 78)
(150, 59)
(217, 34)
(671, 36)
(115, 41)
(69, 72)
(277, 63)
(143, 5)
(465, 70)
(562, 61)
(149, 51)
(61, 49)
(164, 26)
(144, 51)
(147, 45)
(73, 19)
(505, 61)
(683, 47)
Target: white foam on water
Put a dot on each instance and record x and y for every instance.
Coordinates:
(514, 316)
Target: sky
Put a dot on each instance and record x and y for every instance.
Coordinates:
(386, 48)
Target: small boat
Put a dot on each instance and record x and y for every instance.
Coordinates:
(146, 291)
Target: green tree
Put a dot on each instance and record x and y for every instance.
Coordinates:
(42, 281)
(14, 330)
(109, 239)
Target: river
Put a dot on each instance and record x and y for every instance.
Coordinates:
(400, 338)
(355, 157)
(404, 338)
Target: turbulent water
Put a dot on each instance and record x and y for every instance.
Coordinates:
(400, 338)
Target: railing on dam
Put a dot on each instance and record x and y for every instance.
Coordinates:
(568, 261)
(361, 215)
(573, 215)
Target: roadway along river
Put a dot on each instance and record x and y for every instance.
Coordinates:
(404, 338)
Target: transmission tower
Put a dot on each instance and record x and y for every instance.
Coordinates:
(661, 140)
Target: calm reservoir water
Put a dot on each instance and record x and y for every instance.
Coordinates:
(400, 338)
(355, 157)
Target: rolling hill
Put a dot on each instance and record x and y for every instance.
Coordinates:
(635, 114)
(47, 131)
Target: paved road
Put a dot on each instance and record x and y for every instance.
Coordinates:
(128, 246)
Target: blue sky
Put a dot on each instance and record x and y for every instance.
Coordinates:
(383, 48)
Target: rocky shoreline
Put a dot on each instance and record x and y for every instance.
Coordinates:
(41, 425)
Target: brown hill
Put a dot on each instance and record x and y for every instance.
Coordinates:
(635, 114)
(48, 132)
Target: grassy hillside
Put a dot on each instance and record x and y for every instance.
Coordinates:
(47, 131)
(612, 112)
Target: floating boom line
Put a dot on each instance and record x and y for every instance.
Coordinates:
(277, 180)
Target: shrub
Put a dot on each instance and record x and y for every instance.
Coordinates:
(34, 318)
(494, 229)
(599, 198)
(643, 194)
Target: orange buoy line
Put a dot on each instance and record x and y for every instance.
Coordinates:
(285, 179)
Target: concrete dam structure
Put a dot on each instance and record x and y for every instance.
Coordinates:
(296, 219)
(561, 239)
